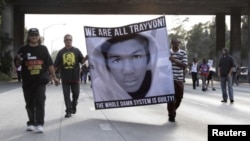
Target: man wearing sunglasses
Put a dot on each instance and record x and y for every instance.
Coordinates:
(36, 65)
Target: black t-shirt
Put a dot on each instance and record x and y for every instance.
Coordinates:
(35, 61)
(225, 64)
(68, 61)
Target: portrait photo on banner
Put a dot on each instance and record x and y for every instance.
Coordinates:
(129, 65)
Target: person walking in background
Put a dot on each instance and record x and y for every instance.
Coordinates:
(18, 66)
(84, 73)
(235, 80)
(36, 62)
(204, 71)
(210, 79)
(68, 59)
(237, 75)
(193, 70)
(225, 69)
(179, 63)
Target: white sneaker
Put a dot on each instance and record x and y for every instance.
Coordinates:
(39, 129)
(30, 128)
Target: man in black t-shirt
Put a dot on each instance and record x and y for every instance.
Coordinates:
(68, 59)
(35, 62)
(226, 65)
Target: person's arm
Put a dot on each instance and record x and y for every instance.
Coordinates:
(190, 68)
(230, 72)
(84, 59)
(232, 67)
(219, 71)
(53, 75)
(57, 62)
(179, 63)
(18, 56)
(219, 68)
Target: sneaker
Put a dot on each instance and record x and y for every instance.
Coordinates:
(30, 128)
(67, 115)
(74, 110)
(224, 101)
(74, 104)
(214, 89)
(171, 119)
(39, 129)
(231, 101)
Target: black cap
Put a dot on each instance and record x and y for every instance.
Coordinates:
(33, 31)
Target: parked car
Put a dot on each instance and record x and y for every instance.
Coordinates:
(243, 71)
(243, 74)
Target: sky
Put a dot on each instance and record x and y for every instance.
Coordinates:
(54, 27)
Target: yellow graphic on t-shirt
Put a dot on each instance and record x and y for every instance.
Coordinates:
(34, 66)
(34, 72)
(69, 60)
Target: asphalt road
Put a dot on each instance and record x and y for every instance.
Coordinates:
(145, 123)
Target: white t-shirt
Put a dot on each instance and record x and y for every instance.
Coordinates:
(194, 67)
(19, 68)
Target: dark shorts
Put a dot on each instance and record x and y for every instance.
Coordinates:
(210, 75)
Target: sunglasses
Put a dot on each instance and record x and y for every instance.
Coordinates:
(33, 34)
(67, 39)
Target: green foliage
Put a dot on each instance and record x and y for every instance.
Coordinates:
(199, 42)
(3, 3)
(5, 40)
(179, 32)
(4, 77)
(5, 56)
(6, 63)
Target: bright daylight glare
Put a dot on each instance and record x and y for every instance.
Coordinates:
(54, 27)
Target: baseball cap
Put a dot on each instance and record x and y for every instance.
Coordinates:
(33, 31)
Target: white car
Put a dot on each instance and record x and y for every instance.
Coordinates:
(243, 71)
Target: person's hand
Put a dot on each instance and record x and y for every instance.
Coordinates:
(18, 56)
(57, 81)
(171, 58)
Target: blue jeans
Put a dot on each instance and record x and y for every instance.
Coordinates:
(225, 82)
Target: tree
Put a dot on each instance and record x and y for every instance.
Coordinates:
(5, 55)
(3, 3)
(179, 32)
(198, 42)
